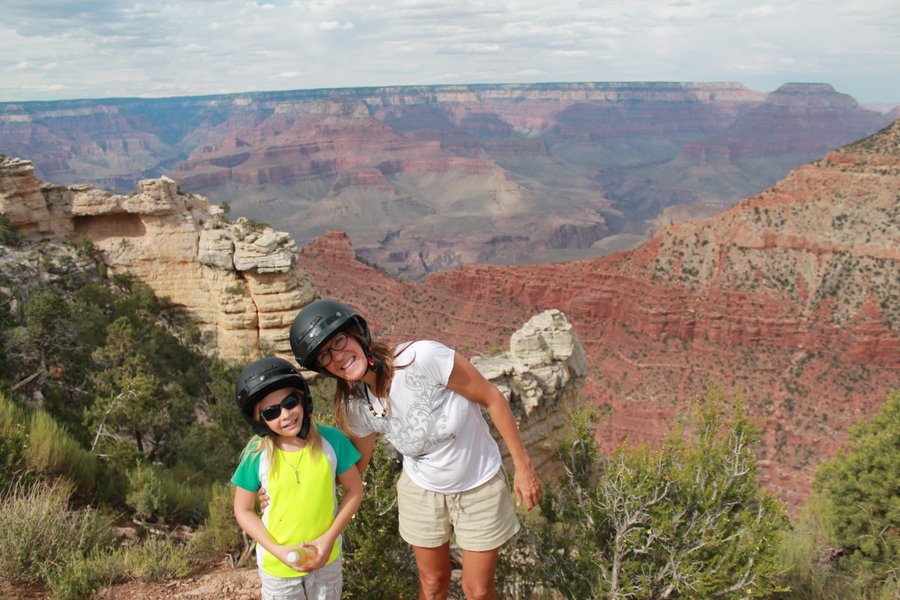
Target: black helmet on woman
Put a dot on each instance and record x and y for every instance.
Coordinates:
(317, 323)
(264, 376)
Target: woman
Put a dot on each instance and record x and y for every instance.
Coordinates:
(427, 401)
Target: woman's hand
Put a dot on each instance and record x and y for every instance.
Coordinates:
(528, 487)
(263, 498)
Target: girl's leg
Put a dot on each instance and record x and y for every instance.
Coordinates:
(478, 574)
(279, 588)
(325, 583)
(434, 571)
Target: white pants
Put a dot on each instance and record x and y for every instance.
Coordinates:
(324, 584)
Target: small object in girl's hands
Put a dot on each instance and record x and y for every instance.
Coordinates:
(303, 556)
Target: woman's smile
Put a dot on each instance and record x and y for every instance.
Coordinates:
(348, 362)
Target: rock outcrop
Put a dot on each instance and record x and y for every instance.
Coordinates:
(541, 376)
(239, 280)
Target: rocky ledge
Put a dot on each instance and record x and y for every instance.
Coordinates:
(239, 280)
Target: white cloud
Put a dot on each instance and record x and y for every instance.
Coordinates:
(105, 47)
(330, 25)
(570, 53)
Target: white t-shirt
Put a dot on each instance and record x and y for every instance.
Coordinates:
(444, 438)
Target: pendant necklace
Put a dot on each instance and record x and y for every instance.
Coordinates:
(296, 467)
(372, 408)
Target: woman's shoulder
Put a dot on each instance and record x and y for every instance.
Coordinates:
(425, 357)
(421, 346)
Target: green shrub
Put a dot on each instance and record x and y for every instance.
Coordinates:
(156, 494)
(39, 533)
(80, 576)
(220, 534)
(846, 545)
(12, 442)
(51, 450)
(373, 538)
(806, 552)
(155, 559)
(9, 235)
(688, 520)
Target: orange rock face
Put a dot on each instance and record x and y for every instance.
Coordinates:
(790, 298)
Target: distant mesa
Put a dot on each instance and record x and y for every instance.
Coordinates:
(788, 296)
(458, 174)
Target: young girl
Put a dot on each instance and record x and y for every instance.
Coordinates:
(297, 462)
(427, 401)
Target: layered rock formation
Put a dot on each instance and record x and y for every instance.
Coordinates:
(790, 297)
(428, 178)
(541, 375)
(240, 281)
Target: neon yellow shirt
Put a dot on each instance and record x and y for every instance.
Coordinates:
(302, 493)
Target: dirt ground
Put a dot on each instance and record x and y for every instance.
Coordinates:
(220, 583)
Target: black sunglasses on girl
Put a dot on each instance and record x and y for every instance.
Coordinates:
(270, 413)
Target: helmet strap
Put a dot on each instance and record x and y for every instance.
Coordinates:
(375, 363)
(307, 413)
(304, 428)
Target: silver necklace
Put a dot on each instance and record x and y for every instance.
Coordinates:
(296, 467)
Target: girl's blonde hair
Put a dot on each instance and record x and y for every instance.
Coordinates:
(258, 443)
(344, 390)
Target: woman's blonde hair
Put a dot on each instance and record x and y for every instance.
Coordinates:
(258, 443)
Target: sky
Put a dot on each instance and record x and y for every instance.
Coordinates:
(64, 49)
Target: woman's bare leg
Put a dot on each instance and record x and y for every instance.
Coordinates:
(478, 573)
(434, 571)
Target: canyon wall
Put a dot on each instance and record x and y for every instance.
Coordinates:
(427, 178)
(790, 299)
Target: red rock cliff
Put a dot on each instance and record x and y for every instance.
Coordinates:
(790, 297)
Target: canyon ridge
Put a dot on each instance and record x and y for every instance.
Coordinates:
(789, 298)
(427, 178)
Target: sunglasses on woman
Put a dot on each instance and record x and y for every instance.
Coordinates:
(270, 413)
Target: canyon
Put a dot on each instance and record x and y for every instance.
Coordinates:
(424, 179)
(789, 298)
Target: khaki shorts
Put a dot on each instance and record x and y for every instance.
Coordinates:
(482, 518)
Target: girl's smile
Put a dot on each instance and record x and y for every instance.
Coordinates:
(289, 420)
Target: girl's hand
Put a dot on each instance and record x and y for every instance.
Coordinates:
(303, 557)
(323, 546)
(283, 553)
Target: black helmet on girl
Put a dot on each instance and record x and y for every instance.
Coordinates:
(317, 323)
(260, 378)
